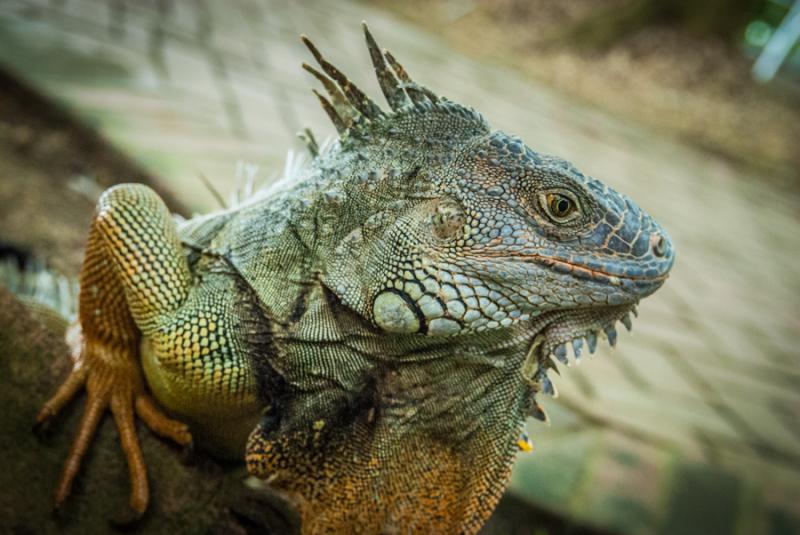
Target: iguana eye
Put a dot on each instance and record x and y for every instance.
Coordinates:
(560, 207)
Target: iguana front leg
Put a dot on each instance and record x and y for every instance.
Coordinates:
(134, 275)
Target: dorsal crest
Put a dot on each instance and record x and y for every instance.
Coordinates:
(349, 108)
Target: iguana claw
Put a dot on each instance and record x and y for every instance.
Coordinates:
(112, 381)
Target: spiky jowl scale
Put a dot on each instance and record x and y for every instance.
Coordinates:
(384, 320)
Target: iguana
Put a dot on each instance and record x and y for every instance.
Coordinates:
(373, 333)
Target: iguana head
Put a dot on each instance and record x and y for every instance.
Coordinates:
(463, 230)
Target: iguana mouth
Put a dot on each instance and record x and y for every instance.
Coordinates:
(585, 272)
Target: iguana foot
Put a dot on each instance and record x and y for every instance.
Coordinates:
(112, 377)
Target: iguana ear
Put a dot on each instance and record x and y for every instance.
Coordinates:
(386, 269)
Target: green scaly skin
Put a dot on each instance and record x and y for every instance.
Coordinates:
(388, 317)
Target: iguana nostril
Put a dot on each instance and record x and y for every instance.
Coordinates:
(659, 244)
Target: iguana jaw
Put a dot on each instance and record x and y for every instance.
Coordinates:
(570, 329)
(615, 293)
(555, 334)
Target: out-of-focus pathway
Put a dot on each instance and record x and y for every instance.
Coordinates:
(691, 426)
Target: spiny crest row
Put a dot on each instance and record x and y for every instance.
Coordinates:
(347, 106)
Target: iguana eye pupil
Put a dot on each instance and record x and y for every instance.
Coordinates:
(559, 206)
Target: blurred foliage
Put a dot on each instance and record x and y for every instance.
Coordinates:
(723, 19)
(764, 23)
(682, 68)
(748, 22)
